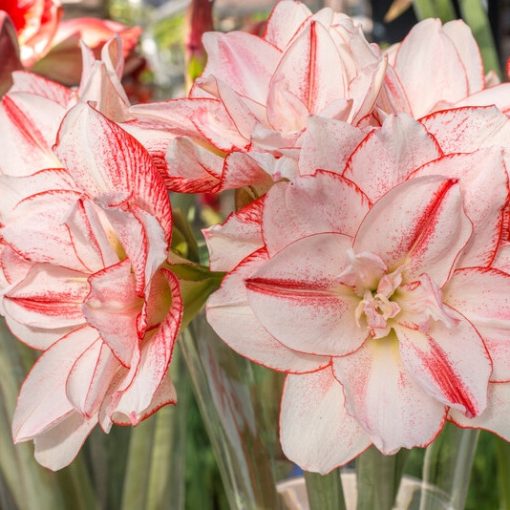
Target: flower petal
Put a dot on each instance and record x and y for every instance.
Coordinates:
(482, 295)
(239, 236)
(42, 402)
(495, 417)
(483, 179)
(299, 298)
(285, 20)
(379, 392)
(326, 145)
(230, 315)
(309, 205)
(316, 432)
(57, 447)
(450, 362)
(428, 52)
(469, 128)
(388, 155)
(428, 227)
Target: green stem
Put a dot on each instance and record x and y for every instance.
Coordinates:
(447, 468)
(325, 492)
(379, 478)
(475, 16)
(442, 9)
(503, 460)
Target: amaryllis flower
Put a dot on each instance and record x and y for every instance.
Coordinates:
(36, 23)
(42, 35)
(82, 253)
(448, 58)
(242, 124)
(373, 288)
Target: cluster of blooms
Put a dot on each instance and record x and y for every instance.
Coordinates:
(372, 265)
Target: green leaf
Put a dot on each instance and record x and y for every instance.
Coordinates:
(442, 9)
(475, 16)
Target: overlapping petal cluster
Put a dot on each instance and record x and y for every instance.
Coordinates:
(379, 286)
(85, 229)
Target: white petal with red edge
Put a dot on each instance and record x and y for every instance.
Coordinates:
(304, 77)
(461, 36)
(469, 128)
(420, 223)
(326, 145)
(109, 164)
(427, 53)
(57, 447)
(482, 295)
(483, 179)
(394, 411)
(48, 297)
(42, 402)
(25, 148)
(90, 378)
(240, 235)
(34, 84)
(316, 431)
(497, 95)
(298, 296)
(309, 205)
(495, 417)
(450, 362)
(112, 307)
(285, 20)
(156, 353)
(388, 155)
(244, 61)
(233, 320)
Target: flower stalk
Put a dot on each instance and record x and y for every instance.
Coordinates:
(378, 478)
(325, 492)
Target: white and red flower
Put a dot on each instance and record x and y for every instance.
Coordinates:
(446, 58)
(82, 253)
(373, 286)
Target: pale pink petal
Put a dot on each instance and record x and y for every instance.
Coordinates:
(388, 155)
(428, 227)
(39, 86)
(242, 60)
(241, 234)
(57, 447)
(483, 179)
(461, 36)
(394, 411)
(156, 353)
(304, 74)
(163, 396)
(90, 378)
(427, 53)
(285, 20)
(245, 169)
(299, 297)
(450, 362)
(48, 297)
(25, 145)
(112, 307)
(36, 338)
(495, 417)
(192, 167)
(326, 145)
(498, 95)
(42, 402)
(233, 320)
(482, 295)
(316, 431)
(309, 205)
(468, 129)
